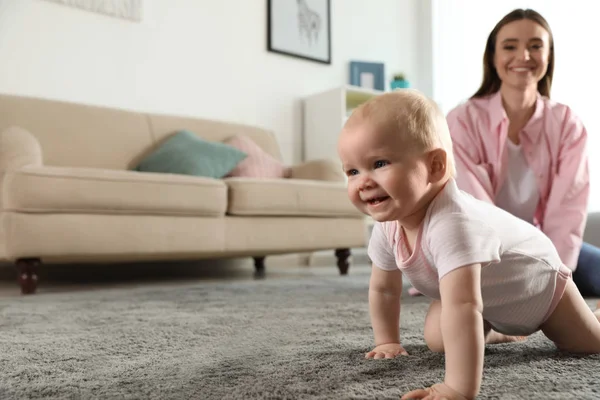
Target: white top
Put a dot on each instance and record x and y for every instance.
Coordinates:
(519, 263)
(519, 194)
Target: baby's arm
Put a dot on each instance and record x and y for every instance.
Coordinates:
(462, 329)
(385, 289)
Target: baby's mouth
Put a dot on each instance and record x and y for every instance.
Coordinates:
(377, 200)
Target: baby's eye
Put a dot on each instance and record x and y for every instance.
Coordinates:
(351, 172)
(509, 47)
(381, 163)
(536, 46)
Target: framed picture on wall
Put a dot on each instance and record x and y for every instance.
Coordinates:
(300, 28)
(125, 9)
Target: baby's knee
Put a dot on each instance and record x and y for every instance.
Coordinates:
(433, 332)
(434, 341)
(435, 347)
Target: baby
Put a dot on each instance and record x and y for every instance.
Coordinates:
(490, 275)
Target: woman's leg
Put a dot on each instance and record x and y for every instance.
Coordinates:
(587, 273)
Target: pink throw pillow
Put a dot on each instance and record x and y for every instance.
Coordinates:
(258, 164)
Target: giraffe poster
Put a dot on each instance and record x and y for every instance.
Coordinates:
(300, 28)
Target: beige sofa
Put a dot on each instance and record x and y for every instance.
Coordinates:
(67, 194)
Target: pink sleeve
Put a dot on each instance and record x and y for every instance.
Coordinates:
(566, 210)
(455, 240)
(380, 249)
(472, 174)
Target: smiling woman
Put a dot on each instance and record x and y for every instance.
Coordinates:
(522, 151)
(519, 54)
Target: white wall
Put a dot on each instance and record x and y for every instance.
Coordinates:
(460, 30)
(203, 58)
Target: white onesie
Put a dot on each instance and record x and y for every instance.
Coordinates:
(522, 276)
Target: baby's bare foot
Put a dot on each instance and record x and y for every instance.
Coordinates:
(495, 338)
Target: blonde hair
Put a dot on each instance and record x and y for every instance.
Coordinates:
(411, 114)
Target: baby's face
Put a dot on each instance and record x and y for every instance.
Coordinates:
(386, 180)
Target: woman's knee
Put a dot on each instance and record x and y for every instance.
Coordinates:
(587, 273)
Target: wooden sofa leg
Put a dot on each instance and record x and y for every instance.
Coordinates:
(27, 270)
(259, 267)
(343, 261)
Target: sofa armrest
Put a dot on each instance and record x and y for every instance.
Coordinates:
(18, 148)
(320, 170)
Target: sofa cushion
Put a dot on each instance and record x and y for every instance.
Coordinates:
(185, 153)
(258, 164)
(289, 197)
(43, 189)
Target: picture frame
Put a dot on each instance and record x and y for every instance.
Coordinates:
(369, 75)
(300, 28)
(124, 9)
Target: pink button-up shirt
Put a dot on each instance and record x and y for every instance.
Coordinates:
(554, 144)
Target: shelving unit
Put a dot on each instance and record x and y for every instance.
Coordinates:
(325, 114)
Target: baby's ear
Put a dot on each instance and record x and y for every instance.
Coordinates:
(437, 164)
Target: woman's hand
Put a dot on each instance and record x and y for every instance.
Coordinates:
(439, 391)
(388, 350)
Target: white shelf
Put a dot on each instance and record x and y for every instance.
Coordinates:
(358, 89)
(325, 114)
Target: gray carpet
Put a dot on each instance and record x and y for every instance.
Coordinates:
(287, 338)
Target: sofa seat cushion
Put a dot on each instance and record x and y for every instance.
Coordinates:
(288, 197)
(43, 189)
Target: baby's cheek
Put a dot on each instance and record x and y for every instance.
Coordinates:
(352, 188)
(354, 196)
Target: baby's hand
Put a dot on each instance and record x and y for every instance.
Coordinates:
(388, 350)
(435, 392)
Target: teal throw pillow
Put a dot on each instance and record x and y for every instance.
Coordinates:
(185, 153)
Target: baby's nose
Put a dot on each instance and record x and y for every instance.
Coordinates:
(366, 183)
